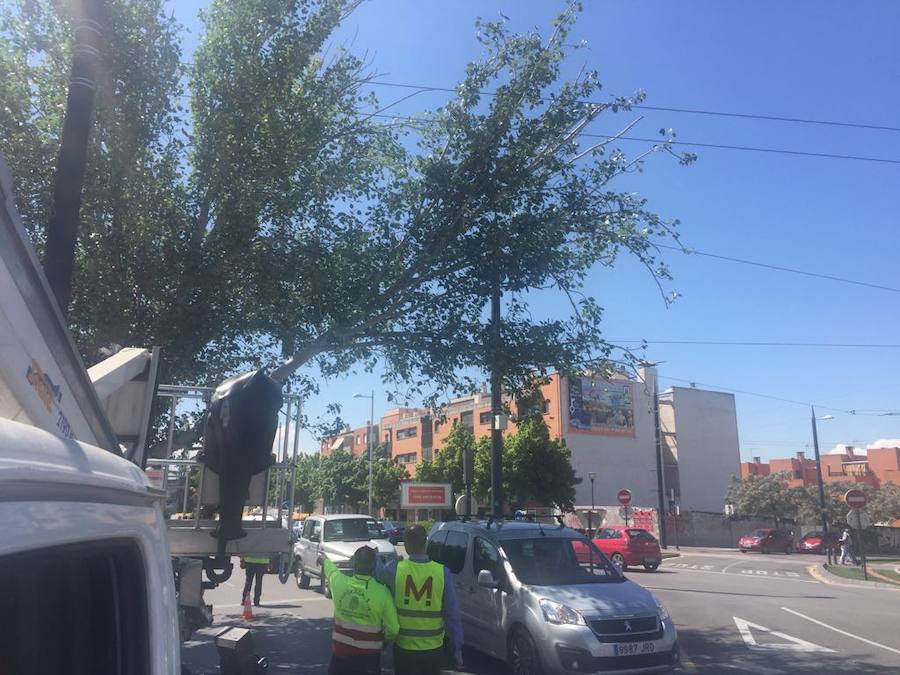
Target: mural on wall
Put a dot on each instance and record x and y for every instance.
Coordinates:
(602, 407)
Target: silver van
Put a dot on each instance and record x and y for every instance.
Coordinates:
(544, 599)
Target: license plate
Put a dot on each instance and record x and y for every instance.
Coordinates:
(634, 648)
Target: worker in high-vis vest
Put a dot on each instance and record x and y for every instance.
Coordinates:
(365, 618)
(254, 568)
(427, 608)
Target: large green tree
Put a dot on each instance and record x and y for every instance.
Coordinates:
(280, 216)
(536, 468)
(809, 508)
(766, 496)
(884, 504)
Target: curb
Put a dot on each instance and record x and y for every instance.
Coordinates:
(667, 555)
(819, 573)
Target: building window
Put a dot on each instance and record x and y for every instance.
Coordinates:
(409, 458)
(466, 420)
(545, 406)
(409, 432)
(437, 426)
(485, 417)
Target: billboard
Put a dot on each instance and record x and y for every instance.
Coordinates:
(415, 495)
(603, 407)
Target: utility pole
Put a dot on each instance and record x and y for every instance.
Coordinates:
(62, 230)
(821, 484)
(496, 406)
(660, 477)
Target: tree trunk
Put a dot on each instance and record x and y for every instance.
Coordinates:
(62, 230)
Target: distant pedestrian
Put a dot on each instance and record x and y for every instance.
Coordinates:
(847, 552)
(427, 608)
(254, 568)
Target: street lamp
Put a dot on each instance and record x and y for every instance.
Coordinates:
(591, 475)
(819, 477)
(369, 443)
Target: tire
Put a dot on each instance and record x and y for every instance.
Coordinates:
(522, 654)
(300, 576)
(651, 567)
(323, 583)
(619, 561)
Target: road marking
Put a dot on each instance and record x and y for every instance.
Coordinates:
(751, 668)
(736, 562)
(796, 644)
(842, 632)
(769, 577)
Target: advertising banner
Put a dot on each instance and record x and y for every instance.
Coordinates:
(603, 407)
(425, 495)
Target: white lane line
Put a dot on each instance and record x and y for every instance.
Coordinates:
(751, 668)
(842, 632)
(755, 576)
(794, 644)
(726, 568)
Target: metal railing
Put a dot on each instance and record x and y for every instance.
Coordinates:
(286, 449)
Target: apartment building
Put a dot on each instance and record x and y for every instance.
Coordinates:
(349, 440)
(875, 466)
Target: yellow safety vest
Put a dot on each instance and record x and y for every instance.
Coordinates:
(419, 595)
(256, 561)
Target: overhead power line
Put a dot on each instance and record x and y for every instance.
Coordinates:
(779, 268)
(861, 412)
(685, 111)
(849, 345)
(697, 144)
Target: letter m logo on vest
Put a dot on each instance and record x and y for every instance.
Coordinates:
(411, 589)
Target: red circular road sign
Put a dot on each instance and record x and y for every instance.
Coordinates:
(624, 497)
(856, 499)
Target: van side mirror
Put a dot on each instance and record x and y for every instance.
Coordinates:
(486, 580)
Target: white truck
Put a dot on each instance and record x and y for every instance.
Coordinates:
(95, 578)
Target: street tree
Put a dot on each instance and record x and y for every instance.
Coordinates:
(447, 463)
(539, 468)
(279, 220)
(884, 504)
(766, 496)
(809, 508)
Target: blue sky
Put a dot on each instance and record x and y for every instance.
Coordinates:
(816, 60)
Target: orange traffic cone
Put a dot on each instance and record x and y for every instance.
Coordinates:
(248, 609)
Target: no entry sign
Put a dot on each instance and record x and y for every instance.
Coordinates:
(856, 499)
(624, 497)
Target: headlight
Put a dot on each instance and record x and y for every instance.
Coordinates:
(661, 610)
(555, 612)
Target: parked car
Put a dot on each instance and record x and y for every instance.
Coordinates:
(767, 540)
(626, 546)
(393, 531)
(336, 538)
(529, 598)
(820, 542)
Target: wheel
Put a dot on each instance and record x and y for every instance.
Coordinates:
(619, 561)
(743, 550)
(651, 567)
(300, 576)
(523, 655)
(323, 583)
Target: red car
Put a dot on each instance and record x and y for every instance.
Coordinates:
(767, 540)
(626, 546)
(819, 542)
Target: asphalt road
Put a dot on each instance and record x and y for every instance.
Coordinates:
(735, 613)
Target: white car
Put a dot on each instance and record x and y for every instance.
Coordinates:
(336, 538)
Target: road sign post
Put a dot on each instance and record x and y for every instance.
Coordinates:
(624, 497)
(859, 521)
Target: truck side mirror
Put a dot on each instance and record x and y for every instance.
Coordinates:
(486, 580)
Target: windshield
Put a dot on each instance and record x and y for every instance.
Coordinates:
(552, 561)
(352, 529)
(641, 535)
(760, 533)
